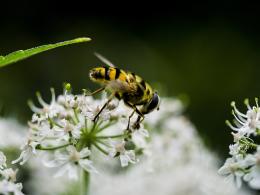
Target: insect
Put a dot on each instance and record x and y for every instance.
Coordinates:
(126, 86)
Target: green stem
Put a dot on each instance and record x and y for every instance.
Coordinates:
(102, 142)
(39, 147)
(111, 136)
(104, 127)
(93, 127)
(86, 124)
(76, 115)
(53, 123)
(99, 148)
(85, 180)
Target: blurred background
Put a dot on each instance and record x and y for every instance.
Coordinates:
(209, 57)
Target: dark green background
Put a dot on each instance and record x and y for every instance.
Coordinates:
(210, 55)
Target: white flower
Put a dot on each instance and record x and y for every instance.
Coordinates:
(253, 177)
(39, 132)
(68, 129)
(234, 149)
(48, 110)
(2, 160)
(70, 161)
(92, 110)
(238, 136)
(7, 179)
(28, 150)
(9, 174)
(233, 168)
(7, 188)
(68, 100)
(246, 124)
(126, 156)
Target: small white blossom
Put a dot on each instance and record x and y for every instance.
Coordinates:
(68, 129)
(234, 149)
(7, 188)
(9, 174)
(233, 168)
(8, 179)
(253, 177)
(246, 124)
(28, 150)
(69, 161)
(126, 156)
(48, 110)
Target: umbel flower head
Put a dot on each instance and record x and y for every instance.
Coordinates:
(8, 179)
(244, 163)
(66, 127)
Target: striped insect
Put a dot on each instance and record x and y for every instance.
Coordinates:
(126, 86)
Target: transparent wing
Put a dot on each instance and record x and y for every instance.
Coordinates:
(122, 86)
(104, 60)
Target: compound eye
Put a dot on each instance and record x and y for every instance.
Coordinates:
(154, 103)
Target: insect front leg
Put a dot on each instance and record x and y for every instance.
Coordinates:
(105, 105)
(138, 121)
(135, 109)
(129, 118)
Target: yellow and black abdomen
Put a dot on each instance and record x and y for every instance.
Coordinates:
(106, 74)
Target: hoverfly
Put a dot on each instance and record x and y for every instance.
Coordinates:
(126, 86)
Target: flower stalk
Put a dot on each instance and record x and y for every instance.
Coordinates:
(85, 181)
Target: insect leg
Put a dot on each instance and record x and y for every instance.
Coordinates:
(135, 110)
(95, 92)
(129, 118)
(138, 121)
(105, 105)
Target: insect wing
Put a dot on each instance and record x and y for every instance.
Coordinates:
(104, 60)
(122, 86)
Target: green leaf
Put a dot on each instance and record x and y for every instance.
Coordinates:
(23, 54)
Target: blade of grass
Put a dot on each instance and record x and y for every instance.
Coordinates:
(23, 54)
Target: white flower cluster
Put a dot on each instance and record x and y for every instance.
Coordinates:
(244, 163)
(178, 162)
(8, 179)
(65, 132)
